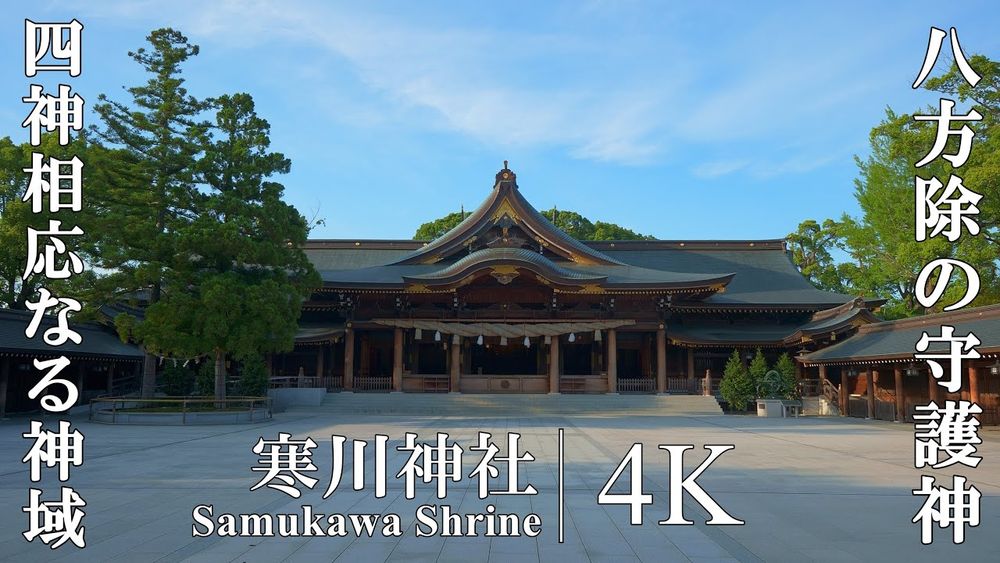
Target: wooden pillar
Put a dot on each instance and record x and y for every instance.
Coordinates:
(691, 364)
(845, 390)
(554, 364)
(612, 361)
(81, 371)
(111, 378)
(4, 377)
(456, 362)
(661, 360)
(365, 366)
(973, 384)
(349, 360)
(897, 372)
(822, 376)
(870, 381)
(319, 361)
(934, 390)
(707, 390)
(397, 360)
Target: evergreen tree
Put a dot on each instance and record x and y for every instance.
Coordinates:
(758, 369)
(241, 277)
(786, 367)
(146, 192)
(736, 386)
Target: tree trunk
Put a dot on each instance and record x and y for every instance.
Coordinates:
(148, 375)
(220, 377)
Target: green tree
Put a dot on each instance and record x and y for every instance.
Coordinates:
(785, 366)
(736, 386)
(758, 369)
(146, 192)
(571, 222)
(885, 259)
(240, 277)
(16, 217)
(434, 229)
(253, 377)
(810, 247)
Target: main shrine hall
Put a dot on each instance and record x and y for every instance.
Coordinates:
(506, 302)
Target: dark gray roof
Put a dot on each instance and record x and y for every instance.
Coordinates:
(97, 341)
(746, 334)
(896, 339)
(764, 274)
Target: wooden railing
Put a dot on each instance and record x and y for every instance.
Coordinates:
(831, 393)
(684, 385)
(885, 410)
(637, 385)
(373, 383)
(283, 381)
(333, 382)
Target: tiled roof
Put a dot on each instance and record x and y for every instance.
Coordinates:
(98, 341)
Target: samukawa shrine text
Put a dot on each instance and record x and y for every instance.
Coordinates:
(286, 465)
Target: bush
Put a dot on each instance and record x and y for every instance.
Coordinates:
(253, 377)
(758, 373)
(205, 380)
(178, 381)
(736, 387)
(786, 367)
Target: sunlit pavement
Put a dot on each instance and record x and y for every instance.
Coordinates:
(808, 489)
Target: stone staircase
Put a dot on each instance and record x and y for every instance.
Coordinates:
(819, 406)
(447, 404)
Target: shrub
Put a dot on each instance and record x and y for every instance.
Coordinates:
(786, 367)
(178, 381)
(253, 377)
(736, 387)
(205, 380)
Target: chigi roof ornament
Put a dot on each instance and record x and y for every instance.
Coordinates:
(506, 175)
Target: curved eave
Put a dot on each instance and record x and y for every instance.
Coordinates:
(505, 199)
(985, 352)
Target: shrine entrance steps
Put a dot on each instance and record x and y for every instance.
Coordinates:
(433, 404)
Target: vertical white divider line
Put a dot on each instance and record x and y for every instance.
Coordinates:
(562, 501)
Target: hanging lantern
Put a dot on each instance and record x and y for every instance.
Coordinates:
(572, 337)
(995, 368)
(479, 340)
(852, 372)
(527, 342)
(548, 339)
(597, 336)
(437, 336)
(912, 370)
(418, 334)
(503, 340)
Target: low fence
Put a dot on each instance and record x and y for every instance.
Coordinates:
(373, 384)
(637, 385)
(180, 410)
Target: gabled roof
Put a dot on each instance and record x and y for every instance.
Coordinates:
(97, 340)
(896, 340)
(506, 206)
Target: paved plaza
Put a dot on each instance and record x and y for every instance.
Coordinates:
(809, 489)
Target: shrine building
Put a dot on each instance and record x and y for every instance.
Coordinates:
(506, 302)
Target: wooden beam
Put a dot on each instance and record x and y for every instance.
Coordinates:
(349, 360)
(900, 400)
(612, 361)
(4, 377)
(973, 383)
(870, 377)
(456, 363)
(661, 360)
(845, 390)
(397, 359)
(554, 365)
(320, 353)
(934, 390)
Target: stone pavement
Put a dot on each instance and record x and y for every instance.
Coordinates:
(809, 489)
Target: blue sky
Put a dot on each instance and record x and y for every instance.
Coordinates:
(682, 120)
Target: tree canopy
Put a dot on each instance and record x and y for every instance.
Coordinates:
(571, 222)
(883, 257)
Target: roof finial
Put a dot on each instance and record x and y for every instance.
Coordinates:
(505, 164)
